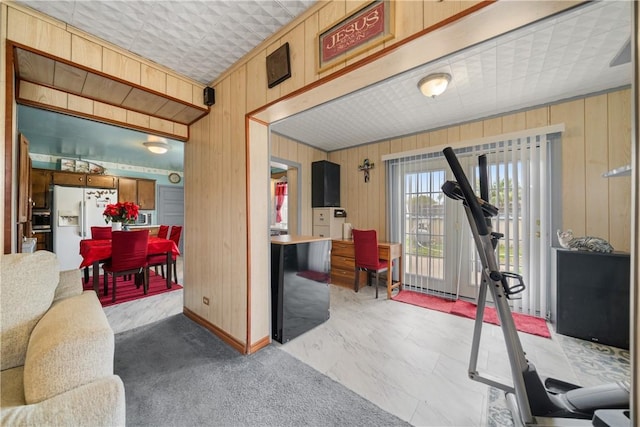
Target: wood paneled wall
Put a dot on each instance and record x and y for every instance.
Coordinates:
(597, 139)
(218, 141)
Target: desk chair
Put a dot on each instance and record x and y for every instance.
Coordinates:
(101, 233)
(161, 259)
(365, 244)
(128, 256)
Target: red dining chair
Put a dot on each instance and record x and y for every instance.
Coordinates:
(161, 259)
(98, 233)
(365, 243)
(163, 231)
(128, 256)
(101, 233)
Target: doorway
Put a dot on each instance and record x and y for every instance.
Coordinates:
(171, 207)
(284, 212)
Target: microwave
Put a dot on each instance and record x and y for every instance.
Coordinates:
(144, 219)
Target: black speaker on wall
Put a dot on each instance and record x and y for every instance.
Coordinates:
(209, 95)
(325, 184)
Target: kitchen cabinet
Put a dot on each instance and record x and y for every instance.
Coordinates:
(69, 178)
(43, 241)
(127, 190)
(146, 193)
(74, 179)
(41, 180)
(101, 181)
(140, 191)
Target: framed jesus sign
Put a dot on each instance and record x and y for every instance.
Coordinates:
(364, 29)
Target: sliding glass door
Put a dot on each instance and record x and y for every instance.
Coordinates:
(439, 251)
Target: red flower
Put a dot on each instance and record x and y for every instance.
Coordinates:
(125, 212)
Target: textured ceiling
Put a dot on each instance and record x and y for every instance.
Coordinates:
(562, 57)
(196, 38)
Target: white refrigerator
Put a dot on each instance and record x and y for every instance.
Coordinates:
(76, 210)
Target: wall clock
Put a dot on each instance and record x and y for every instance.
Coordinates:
(174, 178)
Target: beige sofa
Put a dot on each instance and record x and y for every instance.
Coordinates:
(56, 348)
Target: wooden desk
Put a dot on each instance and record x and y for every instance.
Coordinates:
(343, 263)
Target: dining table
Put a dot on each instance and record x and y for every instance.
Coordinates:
(94, 251)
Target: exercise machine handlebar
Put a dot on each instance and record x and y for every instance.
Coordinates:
(469, 196)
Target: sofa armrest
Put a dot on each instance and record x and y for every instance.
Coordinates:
(71, 345)
(70, 285)
(98, 403)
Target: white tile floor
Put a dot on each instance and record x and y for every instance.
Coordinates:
(413, 362)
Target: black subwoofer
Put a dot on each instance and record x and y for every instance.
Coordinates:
(325, 184)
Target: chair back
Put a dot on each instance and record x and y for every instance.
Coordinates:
(129, 249)
(101, 233)
(365, 244)
(176, 231)
(163, 231)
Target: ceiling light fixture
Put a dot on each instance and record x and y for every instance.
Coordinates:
(157, 147)
(434, 84)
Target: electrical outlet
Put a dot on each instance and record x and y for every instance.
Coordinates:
(205, 300)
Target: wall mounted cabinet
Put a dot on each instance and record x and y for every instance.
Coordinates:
(74, 179)
(140, 191)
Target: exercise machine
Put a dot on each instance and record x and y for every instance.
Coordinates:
(531, 400)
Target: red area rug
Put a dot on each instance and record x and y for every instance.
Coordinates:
(127, 291)
(317, 276)
(427, 301)
(524, 323)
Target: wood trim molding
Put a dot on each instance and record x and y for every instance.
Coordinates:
(80, 79)
(247, 194)
(8, 151)
(101, 119)
(237, 345)
(259, 345)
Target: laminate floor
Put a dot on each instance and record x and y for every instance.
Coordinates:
(412, 362)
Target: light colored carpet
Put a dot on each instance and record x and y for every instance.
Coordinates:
(177, 373)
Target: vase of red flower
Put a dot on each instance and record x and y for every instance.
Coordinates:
(121, 213)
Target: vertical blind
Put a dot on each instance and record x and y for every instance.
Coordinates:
(439, 255)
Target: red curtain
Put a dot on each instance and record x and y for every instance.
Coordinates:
(281, 191)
